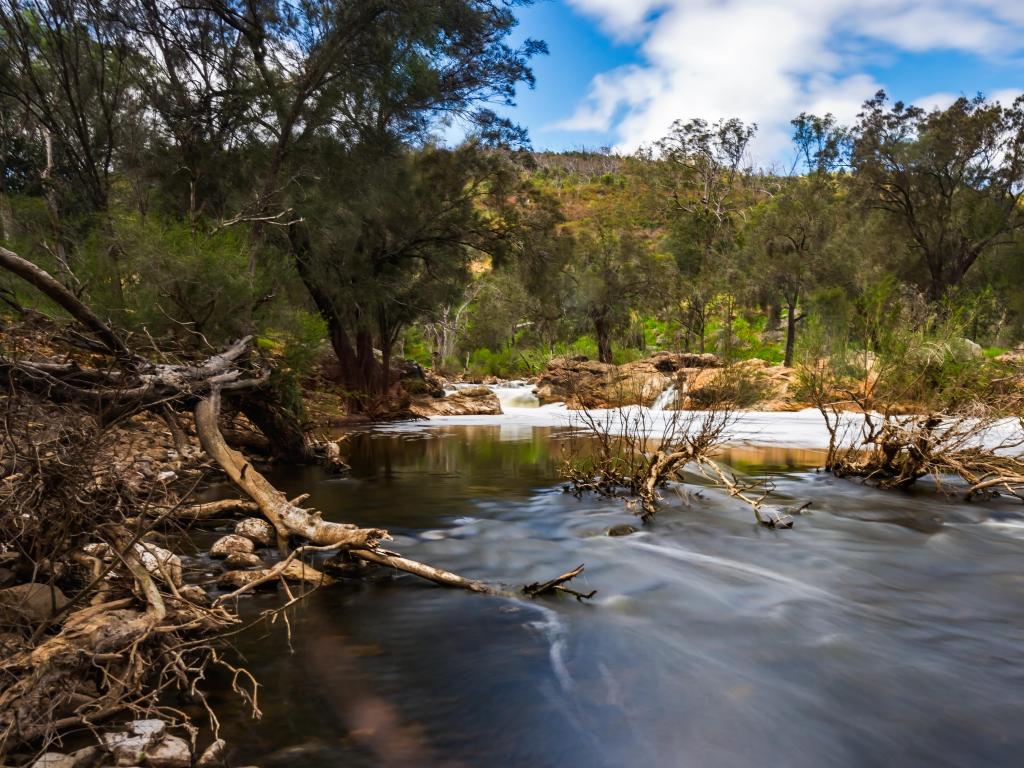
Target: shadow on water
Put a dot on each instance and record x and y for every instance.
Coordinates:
(847, 641)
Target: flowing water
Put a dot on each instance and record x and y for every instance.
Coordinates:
(885, 629)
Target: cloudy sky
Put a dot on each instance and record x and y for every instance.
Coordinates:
(620, 71)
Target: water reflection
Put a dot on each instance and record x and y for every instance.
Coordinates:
(848, 641)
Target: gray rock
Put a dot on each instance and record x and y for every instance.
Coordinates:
(230, 544)
(259, 531)
(171, 752)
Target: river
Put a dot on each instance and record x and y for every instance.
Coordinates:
(884, 629)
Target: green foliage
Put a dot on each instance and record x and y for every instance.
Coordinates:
(171, 279)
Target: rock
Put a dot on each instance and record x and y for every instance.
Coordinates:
(243, 560)
(194, 594)
(965, 350)
(29, 602)
(152, 728)
(258, 531)
(170, 752)
(161, 563)
(213, 755)
(623, 529)
(131, 746)
(583, 383)
(230, 544)
(1013, 357)
(467, 401)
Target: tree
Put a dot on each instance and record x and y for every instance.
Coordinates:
(704, 182)
(611, 271)
(790, 230)
(397, 241)
(953, 179)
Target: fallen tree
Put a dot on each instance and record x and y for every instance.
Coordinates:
(129, 629)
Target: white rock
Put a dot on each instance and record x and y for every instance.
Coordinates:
(260, 531)
(161, 563)
(226, 545)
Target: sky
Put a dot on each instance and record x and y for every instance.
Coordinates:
(620, 71)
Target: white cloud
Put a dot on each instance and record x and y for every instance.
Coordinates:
(765, 61)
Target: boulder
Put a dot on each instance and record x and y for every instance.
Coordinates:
(243, 560)
(467, 401)
(170, 752)
(256, 530)
(231, 544)
(132, 745)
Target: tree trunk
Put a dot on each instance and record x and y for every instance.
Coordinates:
(287, 440)
(604, 344)
(790, 330)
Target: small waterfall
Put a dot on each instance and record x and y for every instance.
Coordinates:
(516, 394)
(665, 399)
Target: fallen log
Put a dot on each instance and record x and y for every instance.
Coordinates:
(287, 519)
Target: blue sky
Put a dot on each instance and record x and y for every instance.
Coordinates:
(620, 71)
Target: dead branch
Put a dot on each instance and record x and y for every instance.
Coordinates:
(557, 584)
(70, 303)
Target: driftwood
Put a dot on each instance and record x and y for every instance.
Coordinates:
(428, 572)
(557, 584)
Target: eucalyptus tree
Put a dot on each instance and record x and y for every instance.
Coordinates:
(398, 235)
(611, 272)
(789, 231)
(706, 188)
(952, 178)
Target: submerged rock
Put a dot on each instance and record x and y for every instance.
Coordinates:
(623, 529)
(231, 544)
